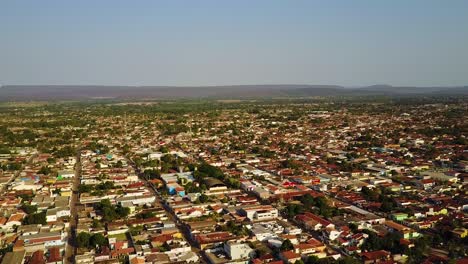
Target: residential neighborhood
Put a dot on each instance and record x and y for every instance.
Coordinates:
(234, 182)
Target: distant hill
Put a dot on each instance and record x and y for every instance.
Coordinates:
(74, 92)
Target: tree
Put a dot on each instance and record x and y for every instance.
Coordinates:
(111, 212)
(293, 210)
(348, 260)
(66, 151)
(145, 215)
(121, 211)
(299, 262)
(82, 240)
(83, 188)
(165, 247)
(291, 164)
(97, 240)
(14, 166)
(164, 149)
(286, 245)
(44, 170)
(152, 174)
(312, 260)
(206, 169)
(353, 227)
(390, 242)
(29, 209)
(119, 164)
(35, 218)
(135, 230)
(96, 224)
(203, 198)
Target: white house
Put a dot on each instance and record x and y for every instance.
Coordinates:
(236, 250)
(260, 212)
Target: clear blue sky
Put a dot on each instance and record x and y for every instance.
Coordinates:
(398, 42)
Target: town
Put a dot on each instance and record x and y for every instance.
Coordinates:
(300, 181)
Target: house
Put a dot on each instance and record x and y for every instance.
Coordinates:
(290, 256)
(426, 183)
(37, 257)
(208, 239)
(261, 193)
(236, 250)
(215, 185)
(261, 233)
(65, 174)
(399, 216)
(48, 239)
(247, 186)
(314, 222)
(375, 256)
(310, 247)
(407, 232)
(51, 215)
(14, 220)
(259, 212)
(175, 188)
(304, 248)
(460, 232)
(55, 257)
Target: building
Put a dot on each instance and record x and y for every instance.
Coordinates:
(236, 250)
(259, 212)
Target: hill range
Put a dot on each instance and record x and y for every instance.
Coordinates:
(87, 92)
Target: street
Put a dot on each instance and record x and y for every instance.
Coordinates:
(70, 250)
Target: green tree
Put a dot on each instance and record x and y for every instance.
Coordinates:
(96, 224)
(286, 245)
(83, 188)
(29, 209)
(203, 198)
(119, 164)
(82, 240)
(97, 240)
(35, 218)
(44, 170)
(145, 215)
(312, 260)
(292, 210)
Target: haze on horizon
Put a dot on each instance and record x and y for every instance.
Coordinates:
(196, 43)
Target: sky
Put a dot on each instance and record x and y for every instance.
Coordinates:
(197, 43)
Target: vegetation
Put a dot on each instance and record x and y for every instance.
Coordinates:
(110, 212)
(316, 205)
(35, 218)
(90, 241)
(29, 209)
(286, 245)
(145, 215)
(380, 195)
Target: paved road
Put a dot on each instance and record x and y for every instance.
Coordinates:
(70, 250)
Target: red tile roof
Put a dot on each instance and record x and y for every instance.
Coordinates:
(54, 255)
(374, 255)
